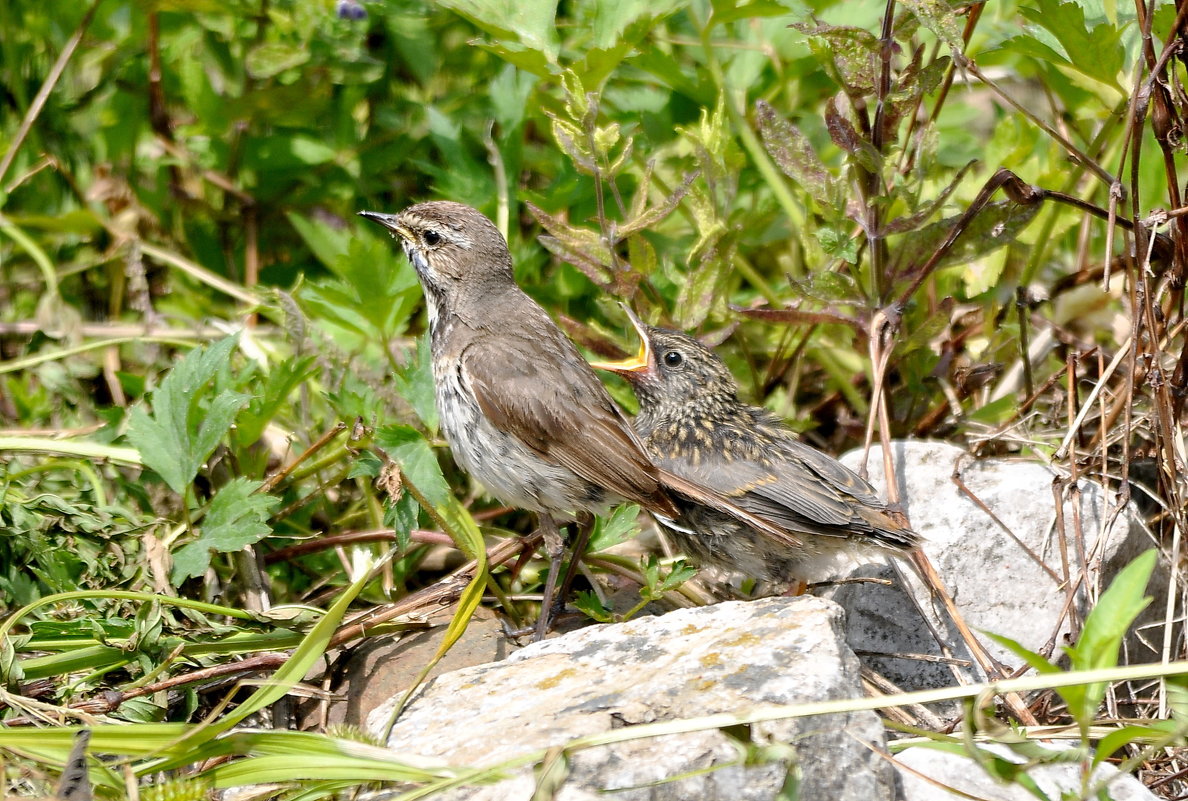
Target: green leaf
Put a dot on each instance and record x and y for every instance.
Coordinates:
(1036, 661)
(612, 18)
(939, 17)
(329, 243)
(795, 156)
(238, 517)
(271, 58)
(415, 384)
(1154, 732)
(402, 518)
(1096, 52)
(680, 572)
(838, 244)
(620, 526)
(410, 450)
(853, 51)
(186, 422)
(1113, 615)
(1105, 626)
(531, 24)
(731, 11)
(279, 382)
(588, 604)
(376, 290)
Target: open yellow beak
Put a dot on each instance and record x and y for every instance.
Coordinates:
(642, 361)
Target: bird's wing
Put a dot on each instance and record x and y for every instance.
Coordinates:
(800, 495)
(534, 385)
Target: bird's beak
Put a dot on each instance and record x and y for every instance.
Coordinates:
(641, 363)
(389, 221)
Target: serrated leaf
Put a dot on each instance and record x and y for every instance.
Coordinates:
(846, 136)
(415, 383)
(854, 51)
(795, 156)
(618, 27)
(279, 382)
(237, 517)
(838, 244)
(532, 24)
(939, 17)
(588, 603)
(621, 525)
(613, 17)
(186, 424)
(1096, 52)
(401, 517)
(410, 450)
(329, 243)
(375, 293)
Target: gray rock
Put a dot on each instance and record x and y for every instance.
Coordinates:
(997, 584)
(1061, 780)
(689, 663)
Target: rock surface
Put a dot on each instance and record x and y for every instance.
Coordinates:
(1006, 577)
(686, 664)
(970, 780)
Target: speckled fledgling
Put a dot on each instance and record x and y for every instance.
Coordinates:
(694, 425)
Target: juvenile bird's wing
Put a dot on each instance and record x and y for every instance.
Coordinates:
(794, 486)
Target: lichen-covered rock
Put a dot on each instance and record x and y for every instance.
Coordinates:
(1004, 564)
(686, 664)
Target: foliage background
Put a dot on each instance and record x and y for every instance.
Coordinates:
(778, 176)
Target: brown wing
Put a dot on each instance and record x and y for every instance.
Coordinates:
(798, 489)
(533, 384)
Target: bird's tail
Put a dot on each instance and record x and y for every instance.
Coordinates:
(888, 532)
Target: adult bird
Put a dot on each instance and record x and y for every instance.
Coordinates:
(694, 425)
(522, 411)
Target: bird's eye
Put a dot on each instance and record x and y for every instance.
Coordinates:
(673, 358)
(432, 238)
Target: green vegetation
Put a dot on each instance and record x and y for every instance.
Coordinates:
(218, 422)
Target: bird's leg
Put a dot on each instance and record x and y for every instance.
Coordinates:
(554, 546)
(585, 526)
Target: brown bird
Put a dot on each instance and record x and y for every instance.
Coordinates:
(521, 409)
(695, 426)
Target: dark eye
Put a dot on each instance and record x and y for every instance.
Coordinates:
(673, 359)
(432, 238)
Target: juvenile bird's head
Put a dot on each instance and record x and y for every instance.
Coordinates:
(673, 370)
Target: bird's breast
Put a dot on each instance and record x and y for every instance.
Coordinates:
(511, 471)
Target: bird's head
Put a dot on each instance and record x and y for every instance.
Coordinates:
(449, 244)
(673, 369)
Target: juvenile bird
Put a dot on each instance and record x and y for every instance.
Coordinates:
(694, 425)
(522, 411)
